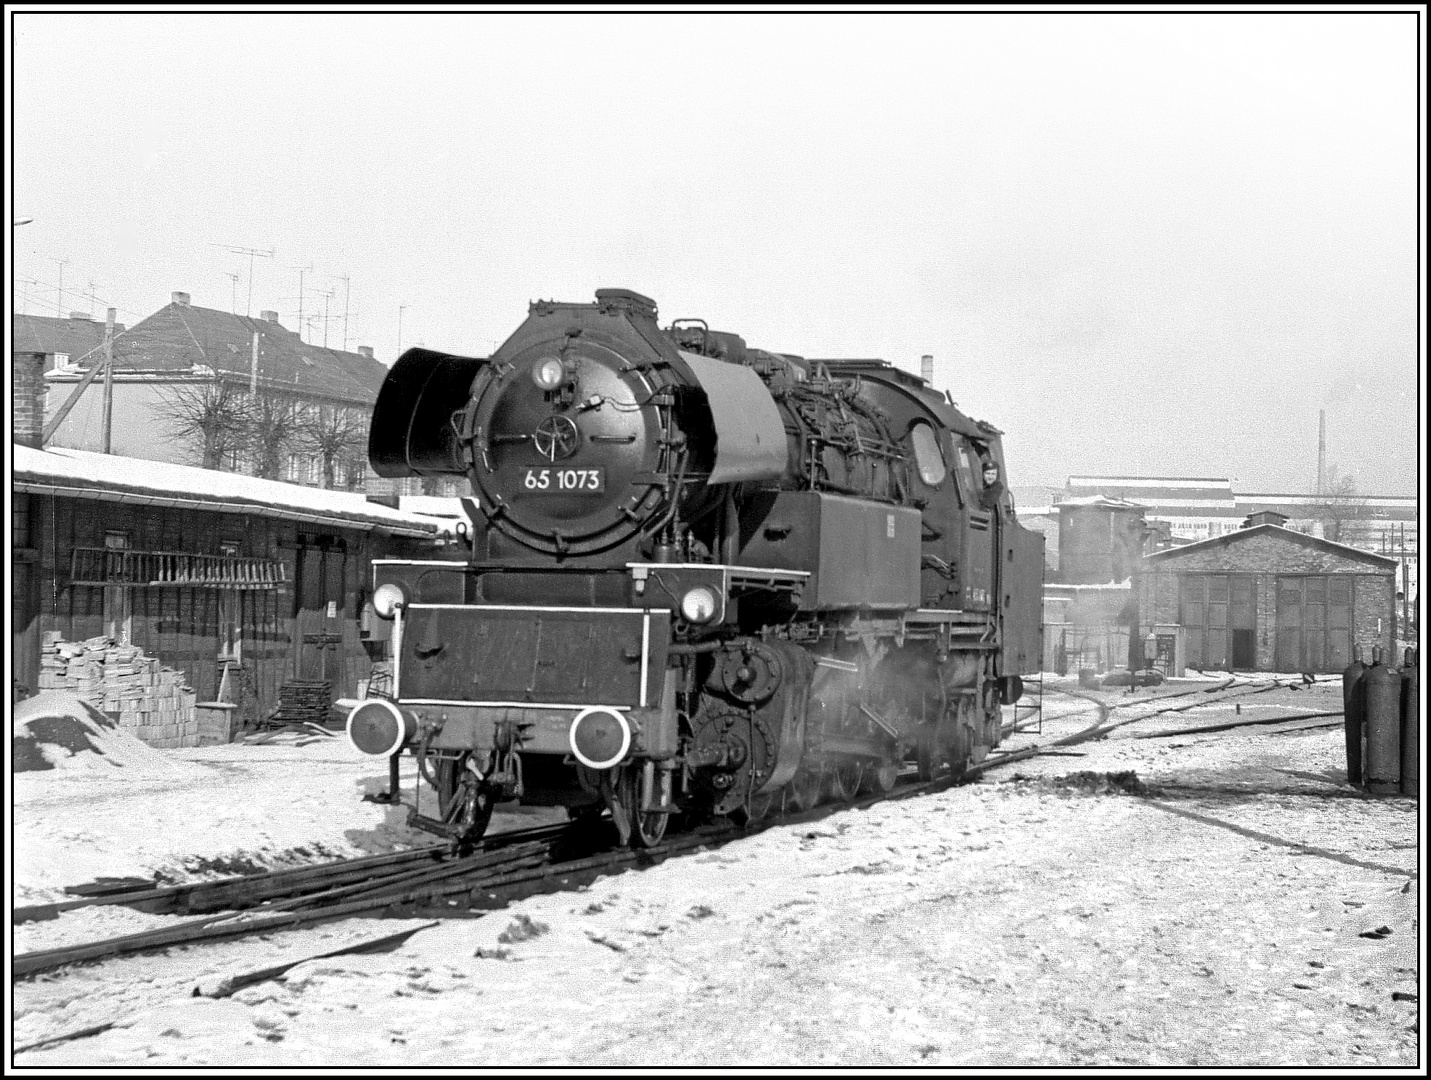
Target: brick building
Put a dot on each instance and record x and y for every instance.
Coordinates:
(1268, 598)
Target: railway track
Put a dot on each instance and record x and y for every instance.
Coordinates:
(437, 881)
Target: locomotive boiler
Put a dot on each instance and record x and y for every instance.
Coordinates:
(704, 578)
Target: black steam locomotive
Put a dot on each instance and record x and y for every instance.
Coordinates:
(704, 578)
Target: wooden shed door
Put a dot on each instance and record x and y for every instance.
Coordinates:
(1217, 605)
(1339, 622)
(1314, 616)
(1206, 608)
(1289, 624)
(318, 620)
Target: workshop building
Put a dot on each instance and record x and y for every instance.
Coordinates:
(1267, 598)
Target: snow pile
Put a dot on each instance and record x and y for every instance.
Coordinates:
(57, 730)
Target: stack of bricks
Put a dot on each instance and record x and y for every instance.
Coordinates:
(151, 702)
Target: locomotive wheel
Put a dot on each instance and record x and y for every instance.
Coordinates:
(757, 811)
(803, 792)
(879, 779)
(464, 801)
(845, 780)
(928, 758)
(647, 829)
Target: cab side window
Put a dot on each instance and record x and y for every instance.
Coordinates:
(927, 455)
(967, 466)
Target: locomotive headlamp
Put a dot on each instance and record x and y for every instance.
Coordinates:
(387, 599)
(698, 605)
(548, 375)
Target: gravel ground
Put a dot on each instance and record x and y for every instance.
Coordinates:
(1210, 913)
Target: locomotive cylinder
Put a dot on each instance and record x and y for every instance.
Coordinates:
(1383, 727)
(1354, 713)
(1410, 727)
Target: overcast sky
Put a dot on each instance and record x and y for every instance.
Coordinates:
(1137, 244)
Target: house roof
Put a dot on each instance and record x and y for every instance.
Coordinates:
(82, 474)
(1279, 533)
(43, 334)
(179, 337)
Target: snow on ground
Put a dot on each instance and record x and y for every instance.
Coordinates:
(1037, 917)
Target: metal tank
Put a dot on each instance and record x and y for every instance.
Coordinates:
(1383, 726)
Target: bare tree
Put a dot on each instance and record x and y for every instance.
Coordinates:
(1339, 508)
(332, 434)
(209, 418)
(269, 433)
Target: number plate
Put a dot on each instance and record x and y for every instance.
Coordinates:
(559, 481)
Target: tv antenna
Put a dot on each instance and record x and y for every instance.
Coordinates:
(347, 286)
(233, 276)
(252, 253)
(60, 289)
(301, 271)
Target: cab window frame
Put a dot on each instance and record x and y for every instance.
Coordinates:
(924, 439)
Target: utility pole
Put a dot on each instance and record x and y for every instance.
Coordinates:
(91, 298)
(60, 291)
(252, 253)
(401, 308)
(108, 378)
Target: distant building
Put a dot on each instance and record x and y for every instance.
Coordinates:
(1195, 507)
(1199, 508)
(184, 347)
(65, 341)
(1266, 598)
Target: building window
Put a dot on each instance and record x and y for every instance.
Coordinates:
(315, 469)
(291, 472)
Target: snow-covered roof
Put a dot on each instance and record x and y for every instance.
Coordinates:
(442, 506)
(1099, 500)
(82, 474)
(1276, 532)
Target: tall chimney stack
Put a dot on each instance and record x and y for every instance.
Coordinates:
(1322, 454)
(926, 369)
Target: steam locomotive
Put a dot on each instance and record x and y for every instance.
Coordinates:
(704, 578)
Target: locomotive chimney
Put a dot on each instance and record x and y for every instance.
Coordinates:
(926, 369)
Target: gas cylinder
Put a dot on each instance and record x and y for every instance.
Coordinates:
(1354, 710)
(1410, 727)
(1383, 726)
